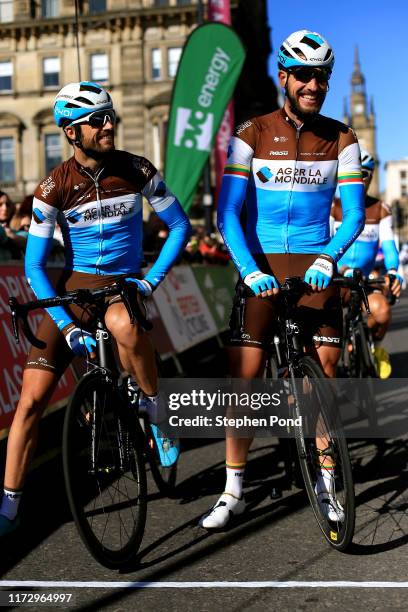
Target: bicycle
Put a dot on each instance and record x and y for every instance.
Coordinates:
(313, 401)
(357, 360)
(104, 447)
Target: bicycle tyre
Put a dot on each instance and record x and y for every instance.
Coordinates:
(366, 371)
(338, 534)
(108, 501)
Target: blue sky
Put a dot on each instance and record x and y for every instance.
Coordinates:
(379, 28)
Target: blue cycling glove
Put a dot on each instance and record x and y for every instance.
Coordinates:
(260, 282)
(143, 286)
(320, 273)
(79, 341)
(397, 276)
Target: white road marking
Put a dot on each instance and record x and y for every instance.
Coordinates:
(273, 584)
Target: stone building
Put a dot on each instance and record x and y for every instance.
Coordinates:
(131, 46)
(360, 116)
(396, 193)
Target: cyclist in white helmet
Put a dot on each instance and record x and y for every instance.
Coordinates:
(285, 166)
(97, 198)
(378, 231)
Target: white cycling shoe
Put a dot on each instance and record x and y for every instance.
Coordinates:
(331, 508)
(226, 507)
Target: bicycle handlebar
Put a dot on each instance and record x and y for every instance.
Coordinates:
(78, 296)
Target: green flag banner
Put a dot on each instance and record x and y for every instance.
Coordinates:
(209, 68)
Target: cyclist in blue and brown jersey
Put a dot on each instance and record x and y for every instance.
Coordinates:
(378, 230)
(96, 197)
(286, 166)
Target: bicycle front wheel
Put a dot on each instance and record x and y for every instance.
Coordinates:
(104, 471)
(323, 454)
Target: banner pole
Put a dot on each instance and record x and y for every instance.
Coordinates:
(207, 193)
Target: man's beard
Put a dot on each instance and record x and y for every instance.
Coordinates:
(296, 110)
(97, 153)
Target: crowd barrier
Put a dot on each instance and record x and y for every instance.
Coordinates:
(190, 306)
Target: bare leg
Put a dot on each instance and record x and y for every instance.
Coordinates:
(136, 352)
(245, 362)
(38, 386)
(380, 317)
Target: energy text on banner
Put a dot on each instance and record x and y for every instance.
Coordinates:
(208, 71)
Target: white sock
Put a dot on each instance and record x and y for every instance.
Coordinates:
(10, 503)
(235, 477)
(325, 481)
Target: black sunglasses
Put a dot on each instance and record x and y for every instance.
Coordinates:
(304, 75)
(98, 119)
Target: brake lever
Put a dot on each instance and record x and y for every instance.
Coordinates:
(19, 312)
(13, 303)
(365, 298)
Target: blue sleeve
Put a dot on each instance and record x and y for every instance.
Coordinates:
(38, 249)
(179, 232)
(391, 258)
(352, 203)
(169, 210)
(232, 196)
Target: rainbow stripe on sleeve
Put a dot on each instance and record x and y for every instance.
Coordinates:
(350, 177)
(237, 170)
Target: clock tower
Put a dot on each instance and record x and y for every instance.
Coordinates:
(361, 117)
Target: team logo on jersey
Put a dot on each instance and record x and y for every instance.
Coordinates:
(107, 211)
(38, 216)
(280, 138)
(79, 186)
(242, 127)
(74, 217)
(47, 186)
(264, 174)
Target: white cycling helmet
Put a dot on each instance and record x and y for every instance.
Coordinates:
(305, 48)
(78, 100)
(367, 160)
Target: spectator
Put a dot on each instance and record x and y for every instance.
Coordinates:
(212, 251)
(12, 244)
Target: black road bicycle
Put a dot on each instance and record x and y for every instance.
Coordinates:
(357, 361)
(104, 446)
(320, 439)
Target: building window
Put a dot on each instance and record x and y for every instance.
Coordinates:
(49, 8)
(53, 151)
(6, 75)
(156, 64)
(173, 58)
(403, 174)
(6, 10)
(161, 2)
(184, 2)
(99, 67)
(7, 163)
(51, 71)
(97, 6)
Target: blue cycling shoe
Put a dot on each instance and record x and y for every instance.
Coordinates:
(168, 448)
(7, 526)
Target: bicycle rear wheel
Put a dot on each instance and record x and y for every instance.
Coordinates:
(325, 440)
(106, 487)
(366, 371)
